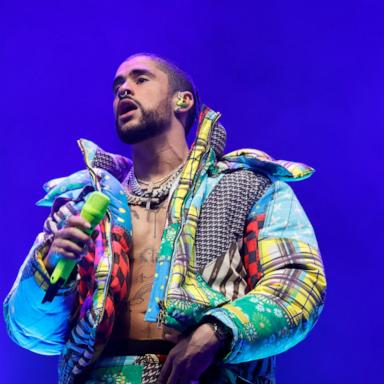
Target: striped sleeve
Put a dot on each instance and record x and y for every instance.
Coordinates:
(286, 277)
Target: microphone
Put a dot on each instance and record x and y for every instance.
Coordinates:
(93, 211)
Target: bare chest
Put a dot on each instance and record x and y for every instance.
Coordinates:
(147, 230)
(147, 227)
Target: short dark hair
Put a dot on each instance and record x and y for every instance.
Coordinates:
(178, 81)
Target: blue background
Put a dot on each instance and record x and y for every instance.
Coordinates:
(300, 80)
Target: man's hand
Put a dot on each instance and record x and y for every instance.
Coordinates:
(69, 242)
(191, 356)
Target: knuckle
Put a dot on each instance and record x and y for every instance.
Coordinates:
(65, 232)
(74, 218)
(69, 222)
(71, 230)
(56, 243)
(75, 234)
(66, 245)
(59, 234)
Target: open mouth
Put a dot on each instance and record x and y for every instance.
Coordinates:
(125, 107)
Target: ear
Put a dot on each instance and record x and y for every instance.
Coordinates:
(182, 101)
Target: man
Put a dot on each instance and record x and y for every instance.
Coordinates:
(204, 268)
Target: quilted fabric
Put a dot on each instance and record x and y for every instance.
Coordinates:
(270, 297)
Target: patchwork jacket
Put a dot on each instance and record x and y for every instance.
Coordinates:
(237, 245)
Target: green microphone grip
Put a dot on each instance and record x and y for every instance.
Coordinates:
(93, 211)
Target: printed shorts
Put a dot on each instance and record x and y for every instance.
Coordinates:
(143, 369)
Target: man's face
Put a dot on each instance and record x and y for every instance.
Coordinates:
(142, 102)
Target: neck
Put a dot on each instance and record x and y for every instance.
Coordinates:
(159, 156)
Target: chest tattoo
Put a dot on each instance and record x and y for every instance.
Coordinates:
(139, 296)
(147, 255)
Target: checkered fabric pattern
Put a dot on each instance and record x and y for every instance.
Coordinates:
(117, 165)
(218, 140)
(250, 249)
(105, 161)
(223, 214)
(121, 266)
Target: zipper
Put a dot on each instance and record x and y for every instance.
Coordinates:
(163, 303)
(161, 315)
(108, 233)
(160, 319)
(110, 267)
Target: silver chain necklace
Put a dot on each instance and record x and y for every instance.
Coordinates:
(152, 194)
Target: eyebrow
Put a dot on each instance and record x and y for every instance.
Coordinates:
(132, 74)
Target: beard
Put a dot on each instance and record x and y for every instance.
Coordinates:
(151, 124)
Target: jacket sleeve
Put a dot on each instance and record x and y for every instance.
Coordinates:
(286, 276)
(41, 328)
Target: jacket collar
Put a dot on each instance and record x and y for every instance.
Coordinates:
(211, 136)
(206, 153)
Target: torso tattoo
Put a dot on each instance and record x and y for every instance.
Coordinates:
(147, 226)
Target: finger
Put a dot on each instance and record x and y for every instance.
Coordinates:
(78, 222)
(69, 246)
(65, 254)
(74, 234)
(170, 334)
(164, 373)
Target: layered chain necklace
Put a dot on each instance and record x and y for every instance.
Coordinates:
(149, 194)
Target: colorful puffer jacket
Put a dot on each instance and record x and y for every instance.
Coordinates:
(237, 245)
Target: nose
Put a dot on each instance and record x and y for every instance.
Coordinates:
(124, 92)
